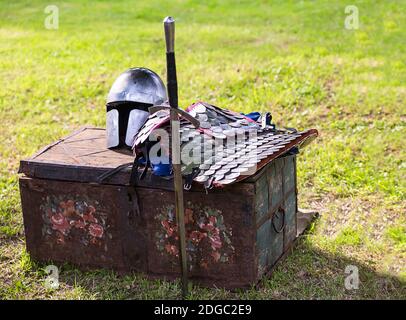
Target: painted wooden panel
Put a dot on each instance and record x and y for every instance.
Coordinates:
(263, 246)
(290, 217)
(276, 247)
(275, 184)
(281, 179)
(90, 225)
(289, 173)
(220, 236)
(262, 197)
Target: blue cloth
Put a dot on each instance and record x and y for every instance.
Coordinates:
(253, 115)
(161, 169)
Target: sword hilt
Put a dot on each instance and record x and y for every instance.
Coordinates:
(180, 112)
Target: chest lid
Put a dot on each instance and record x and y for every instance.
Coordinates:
(82, 157)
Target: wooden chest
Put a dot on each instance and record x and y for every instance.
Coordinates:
(71, 214)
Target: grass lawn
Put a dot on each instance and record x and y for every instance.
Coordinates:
(293, 58)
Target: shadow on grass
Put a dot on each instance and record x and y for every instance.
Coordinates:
(311, 273)
(306, 273)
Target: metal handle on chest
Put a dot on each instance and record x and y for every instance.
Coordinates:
(280, 209)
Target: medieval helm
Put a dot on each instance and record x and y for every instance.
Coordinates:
(133, 92)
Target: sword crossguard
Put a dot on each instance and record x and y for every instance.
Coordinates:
(180, 112)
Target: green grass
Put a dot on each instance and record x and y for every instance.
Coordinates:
(293, 58)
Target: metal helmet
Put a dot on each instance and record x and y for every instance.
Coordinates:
(133, 92)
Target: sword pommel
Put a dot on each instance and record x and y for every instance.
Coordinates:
(169, 25)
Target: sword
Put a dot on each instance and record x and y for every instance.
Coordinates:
(172, 84)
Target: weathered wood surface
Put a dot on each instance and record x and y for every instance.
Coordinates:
(235, 235)
(84, 224)
(275, 211)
